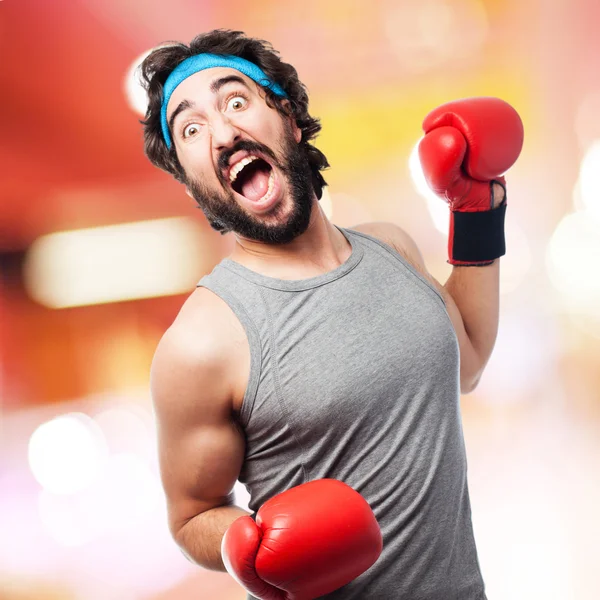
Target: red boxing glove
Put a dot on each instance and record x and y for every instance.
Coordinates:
(468, 145)
(307, 541)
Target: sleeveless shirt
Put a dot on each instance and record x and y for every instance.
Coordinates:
(354, 375)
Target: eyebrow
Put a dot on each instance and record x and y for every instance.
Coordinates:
(215, 86)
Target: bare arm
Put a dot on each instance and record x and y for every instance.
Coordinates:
(475, 292)
(200, 447)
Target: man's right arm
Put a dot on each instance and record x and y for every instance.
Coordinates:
(201, 449)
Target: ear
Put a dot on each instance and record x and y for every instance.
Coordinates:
(297, 131)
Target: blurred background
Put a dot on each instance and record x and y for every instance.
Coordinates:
(98, 250)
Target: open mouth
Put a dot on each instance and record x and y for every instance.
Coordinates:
(253, 178)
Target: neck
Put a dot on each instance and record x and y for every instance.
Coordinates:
(320, 249)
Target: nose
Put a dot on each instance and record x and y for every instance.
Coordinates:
(224, 133)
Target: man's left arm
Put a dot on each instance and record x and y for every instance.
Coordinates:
(468, 146)
(474, 293)
(473, 298)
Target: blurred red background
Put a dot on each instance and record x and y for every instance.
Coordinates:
(71, 157)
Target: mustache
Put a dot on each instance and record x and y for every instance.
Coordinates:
(247, 146)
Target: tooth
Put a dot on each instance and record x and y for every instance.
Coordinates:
(239, 166)
(269, 188)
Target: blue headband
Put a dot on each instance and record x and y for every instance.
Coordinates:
(199, 62)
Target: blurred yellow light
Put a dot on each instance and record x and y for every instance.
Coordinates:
(111, 264)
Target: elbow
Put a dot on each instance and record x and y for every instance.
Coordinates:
(466, 388)
(471, 370)
(178, 533)
(468, 383)
(181, 538)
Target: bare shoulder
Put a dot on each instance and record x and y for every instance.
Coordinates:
(197, 330)
(393, 235)
(198, 350)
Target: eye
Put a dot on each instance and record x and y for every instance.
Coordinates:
(190, 129)
(237, 103)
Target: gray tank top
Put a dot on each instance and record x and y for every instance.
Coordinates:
(354, 376)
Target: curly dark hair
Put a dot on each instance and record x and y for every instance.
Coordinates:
(160, 62)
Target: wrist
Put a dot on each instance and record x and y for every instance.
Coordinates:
(498, 194)
(477, 238)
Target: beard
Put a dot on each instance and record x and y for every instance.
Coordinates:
(225, 214)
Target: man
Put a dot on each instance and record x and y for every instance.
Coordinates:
(315, 352)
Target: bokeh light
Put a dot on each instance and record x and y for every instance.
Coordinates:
(572, 260)
(99, 251)
(436, 207)
(114, 263)
(516, 265)
(67, 453)
(589, 184)
(136, 95)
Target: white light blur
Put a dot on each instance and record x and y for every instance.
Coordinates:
(589, 184)
(516, 264)
(518, 566)
(67, 453)
(66, 519)
(126, 429)
(572, 260)
(526, 344)
(429, 33)
(241, 495)
(126, 495)
(577, 199)
(587, 119)
(146, 259)
(136, 95)
(436, 207)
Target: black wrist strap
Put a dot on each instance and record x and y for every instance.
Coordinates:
(479, 236)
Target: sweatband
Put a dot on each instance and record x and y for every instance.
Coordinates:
(200, 62)
(478, 236)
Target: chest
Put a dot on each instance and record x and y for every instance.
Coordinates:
(342, 355)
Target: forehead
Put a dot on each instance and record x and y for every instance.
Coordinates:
(197, 86)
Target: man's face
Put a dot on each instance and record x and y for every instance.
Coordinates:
(241, 158)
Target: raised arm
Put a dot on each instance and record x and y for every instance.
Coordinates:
(200, 447)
